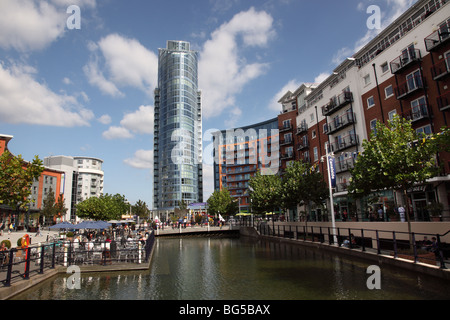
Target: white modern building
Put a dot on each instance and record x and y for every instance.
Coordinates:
(83, 179)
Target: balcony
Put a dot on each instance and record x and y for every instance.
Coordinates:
(341, 187)
(341, 101)
(287, 155)
(302, 129)
(344, 165)
(286, 142)
(407, 58)
(441, 69)
(418, 112)
(285, 128)
(443, 101)
(437, 38)
(303, 145)
(341, 122)
(344, 143)
(411, 85)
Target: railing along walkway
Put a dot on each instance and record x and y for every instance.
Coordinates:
(391, 243)
(21, 264)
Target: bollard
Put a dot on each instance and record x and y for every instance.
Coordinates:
(10, 264)
(41, 256)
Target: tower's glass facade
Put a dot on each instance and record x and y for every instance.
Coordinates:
(178, 129)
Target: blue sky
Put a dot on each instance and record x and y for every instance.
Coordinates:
(88, 91)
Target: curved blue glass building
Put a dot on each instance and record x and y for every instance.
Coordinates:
(178, 129)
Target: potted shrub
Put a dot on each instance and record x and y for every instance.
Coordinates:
(7, 243)
(435, 209)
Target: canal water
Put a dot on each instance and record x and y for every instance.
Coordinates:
(244, 269)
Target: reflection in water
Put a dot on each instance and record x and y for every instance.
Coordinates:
(243, 269)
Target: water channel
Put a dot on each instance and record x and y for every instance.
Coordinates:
(243, 269)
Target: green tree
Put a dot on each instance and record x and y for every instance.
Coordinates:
(140, 209)
(396, 157)
(221, 202)
(302, 184)
(182, 209)
(265, 192)
(16, 178)
(52, 208)
(105, 207)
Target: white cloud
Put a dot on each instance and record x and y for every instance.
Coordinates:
(140, 121)
(292, 85)
(143, 159)
(322, 77)
(96, 78)
(104, 119)
(208, 181)
(117, 133)
(24, 100)
(127, 63)
(81, 3)
(28, 25)
(223, 71)
(394, 8)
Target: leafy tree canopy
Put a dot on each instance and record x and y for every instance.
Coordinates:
(301, 184)
(395, 157)
(16, 178)
(265, 192)
(106, 207)
(221, 202)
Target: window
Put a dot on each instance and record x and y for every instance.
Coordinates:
(384, 67)
(287, 123)
(370, 102)
(288, 137)
(419, 108)
(313, 134)
(373, 125)
(367, 79)
(424, 130)
(447, 60)
(414, 80)
(325, 128)
(389, 91)
(391, 114)
(289, 151)
(316, 154)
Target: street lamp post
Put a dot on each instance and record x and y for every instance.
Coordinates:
(330, 157)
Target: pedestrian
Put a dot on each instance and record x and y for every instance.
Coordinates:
(380, 214)
(38, 231)
(11, 227)
(401, 212)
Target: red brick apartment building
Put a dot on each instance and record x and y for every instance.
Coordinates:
(50, 179)
(404, 70)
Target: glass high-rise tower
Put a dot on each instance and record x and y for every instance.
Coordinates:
(178, 129)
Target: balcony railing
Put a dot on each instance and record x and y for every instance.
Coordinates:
(418, 112)
(441, 69)
(286, 142)
(302, 129)
(406, 58)
(434, 40)
(409, 86)
(443, 101)
(285, 128)
(287, 155)
(341, 122)
(336, 104)
(345, 142)
(344, 165)
(303, 145)
(341, 187)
